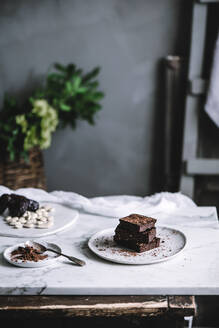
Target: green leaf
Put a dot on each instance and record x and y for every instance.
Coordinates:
(81, 90)
(96, 107)
(91, 74)
(70, 69)
(25, 156)
(15, 132)
(69, 86)
(77, 82)
(65, 107)
(7, 127)
(93, 85)
(78, 72)
(54, 77)
(98, 95)
(60, 67)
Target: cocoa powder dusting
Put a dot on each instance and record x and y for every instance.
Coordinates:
(138, 219)
(27, 253)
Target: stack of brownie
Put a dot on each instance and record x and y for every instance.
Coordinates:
(137, 232)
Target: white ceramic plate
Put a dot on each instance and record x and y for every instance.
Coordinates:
(171, 244)
(64, 217)
(51, 259)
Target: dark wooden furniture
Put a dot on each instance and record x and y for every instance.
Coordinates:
(153, 310)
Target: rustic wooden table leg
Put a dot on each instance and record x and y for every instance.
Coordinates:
(180, 307)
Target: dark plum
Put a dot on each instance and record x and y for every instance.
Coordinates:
(33, 205)
(18, 205)
(4, 201)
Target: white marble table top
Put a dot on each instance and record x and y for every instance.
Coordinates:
(194, 272)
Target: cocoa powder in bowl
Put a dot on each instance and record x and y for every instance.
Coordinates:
(27, 253)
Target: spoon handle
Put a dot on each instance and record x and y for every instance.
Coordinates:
(71, 258)
(75, 260)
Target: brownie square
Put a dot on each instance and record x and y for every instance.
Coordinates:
(139, 247)
(147, 247)
(144, 237)
(137, 222)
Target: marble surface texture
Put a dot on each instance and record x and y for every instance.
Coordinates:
(194, 272)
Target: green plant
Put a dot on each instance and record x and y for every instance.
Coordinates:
(20, 131)
(10, 133)
(68, 96)
(73, 94)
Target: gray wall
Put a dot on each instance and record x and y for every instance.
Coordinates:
(122, 154)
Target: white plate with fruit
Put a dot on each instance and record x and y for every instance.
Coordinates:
(33, 220)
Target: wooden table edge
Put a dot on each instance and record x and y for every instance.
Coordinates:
(88, 306)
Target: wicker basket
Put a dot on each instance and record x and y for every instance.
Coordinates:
(20, 174)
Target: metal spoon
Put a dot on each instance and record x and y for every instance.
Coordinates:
(41, 248)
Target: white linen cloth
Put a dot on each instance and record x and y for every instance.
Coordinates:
(212, 104)
(169, 206)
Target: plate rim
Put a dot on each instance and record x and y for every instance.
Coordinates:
(46, 233)
(30, 264)
(142, 263)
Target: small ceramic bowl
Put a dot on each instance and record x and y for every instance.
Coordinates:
(51, 259)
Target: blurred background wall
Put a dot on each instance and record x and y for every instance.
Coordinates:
(122, 153)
